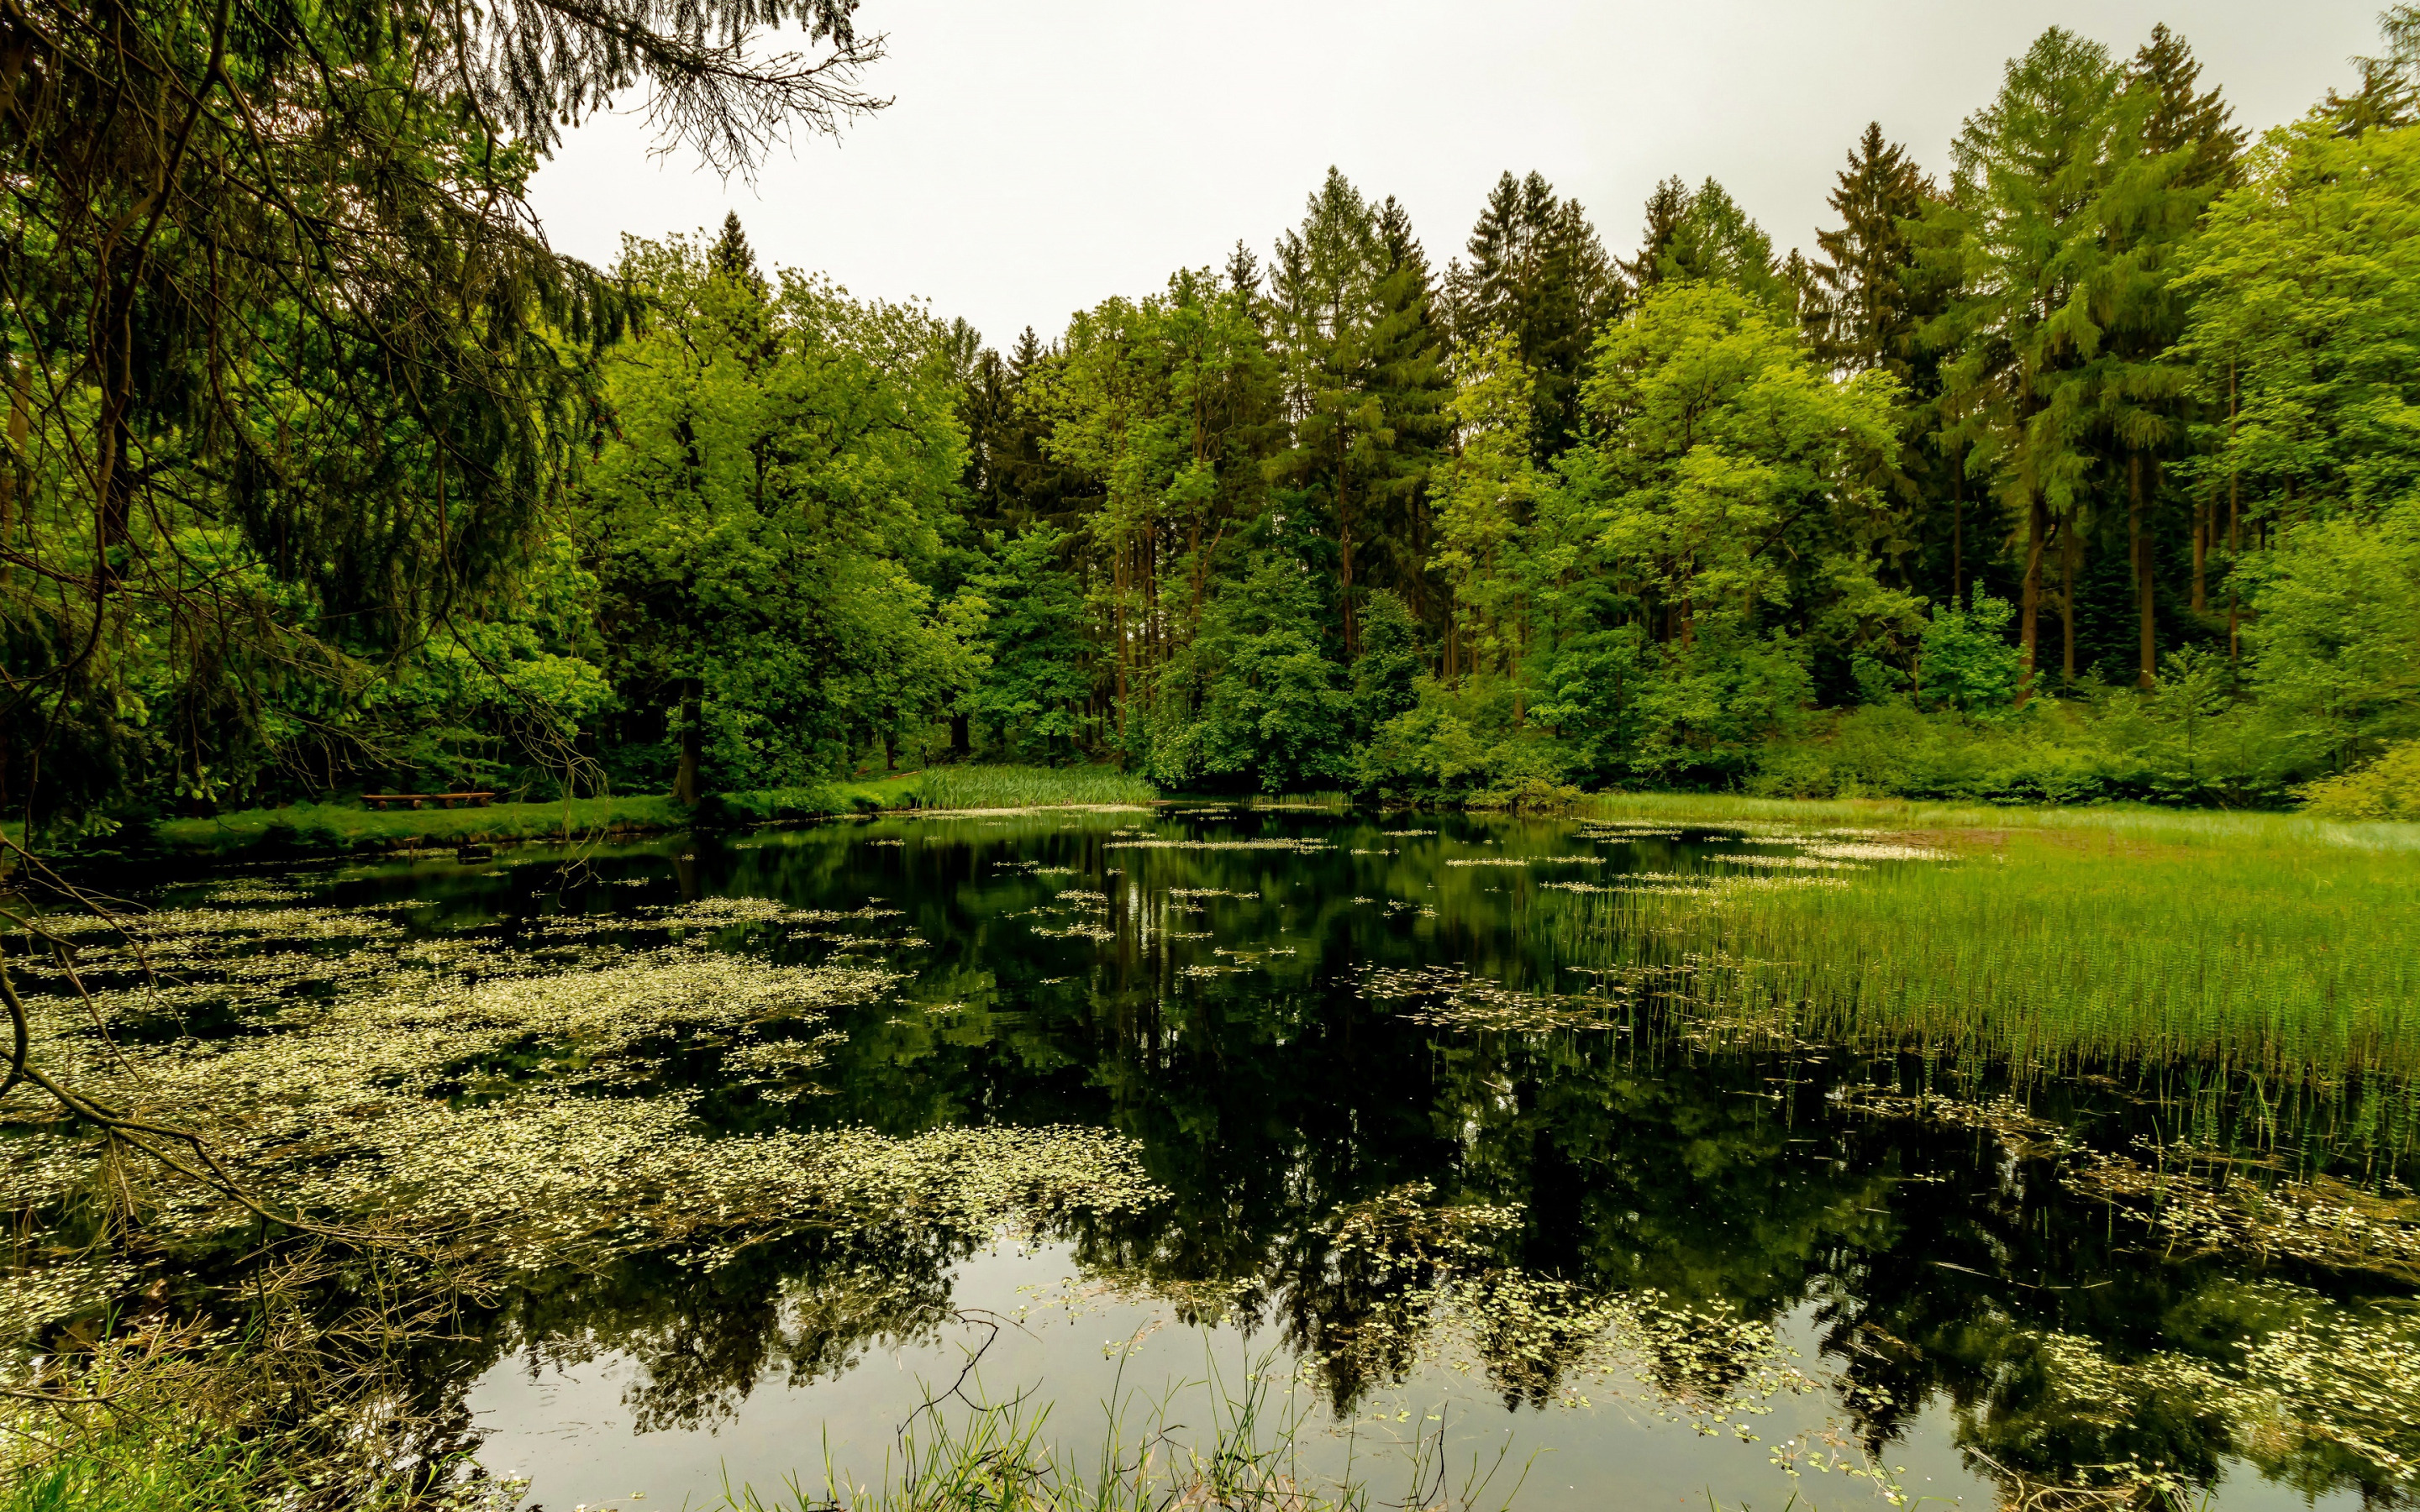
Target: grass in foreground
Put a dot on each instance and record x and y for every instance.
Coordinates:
(139, 1470)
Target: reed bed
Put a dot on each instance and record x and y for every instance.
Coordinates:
(2140, 822)
(2264, 943)
(1030, 787)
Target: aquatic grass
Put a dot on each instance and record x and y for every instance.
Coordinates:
(2263, 943)
(963, 1454)
(2144, 822)
(1030, 787)
(138, 1466)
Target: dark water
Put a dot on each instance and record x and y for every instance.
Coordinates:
(1913, 1294)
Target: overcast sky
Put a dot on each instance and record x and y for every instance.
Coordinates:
(1041, 156)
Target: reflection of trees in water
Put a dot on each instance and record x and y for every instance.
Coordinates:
(704, 1340)
(1293, 1122)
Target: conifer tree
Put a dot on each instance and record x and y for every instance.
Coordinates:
(1714, 241)
(1867, 305)
(2028, 252)
(1536, 270)
(1665, 207)
(731, 257)
(1352, 317)
(1409, 378)
(1866, 317)
(2175, 151)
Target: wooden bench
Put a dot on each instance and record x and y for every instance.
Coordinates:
(413, 800)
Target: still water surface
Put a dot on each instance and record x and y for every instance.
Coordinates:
(1316, 1025)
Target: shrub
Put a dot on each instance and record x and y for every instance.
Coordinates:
(2387, 788)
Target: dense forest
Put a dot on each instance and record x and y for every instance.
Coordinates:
(2088, 470)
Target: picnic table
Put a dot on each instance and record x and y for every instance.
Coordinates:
(473, 800)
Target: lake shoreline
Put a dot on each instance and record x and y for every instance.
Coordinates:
(338, 828)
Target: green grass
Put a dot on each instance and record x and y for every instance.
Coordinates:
(2062, 937)
(1028, 787)
(140, 1469)
(346, 826)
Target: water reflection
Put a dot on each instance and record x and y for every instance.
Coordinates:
(1349, 1175)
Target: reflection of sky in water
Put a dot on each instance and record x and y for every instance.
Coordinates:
(569, 1431)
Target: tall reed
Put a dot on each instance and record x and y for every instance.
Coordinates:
(1028, 787)
(2280, 946)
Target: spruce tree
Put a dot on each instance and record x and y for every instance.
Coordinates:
(1536, 271)
(1715, 241)
(1409, 378)
(1666, 205)
(732, 257)
(1866, 317)
(2027, 248)
(2177, 150)
(1867, 306)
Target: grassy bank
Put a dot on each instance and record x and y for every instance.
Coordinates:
(342, 826)
(345, 826)
(2061, 937)
(2144, 821)
(1020, 787)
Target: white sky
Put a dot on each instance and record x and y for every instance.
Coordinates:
(1044, 155)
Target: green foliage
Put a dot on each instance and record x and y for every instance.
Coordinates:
(1273, 708)
(780, 464)
(1458, 744)
(2116, 393)
(2387, 788)
(2305, 322)
(1964, 661)
(1030, 693)
(2336, 644)
(1536, 272)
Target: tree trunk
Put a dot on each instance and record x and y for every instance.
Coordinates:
(2029, 604)
(1957, 534)
(2070, 547)
(2201, 555)
(961, 738)
(1344, 550)
(2234, 527)
(2146, 671)
(685, 781)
